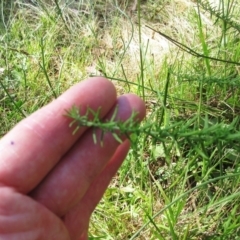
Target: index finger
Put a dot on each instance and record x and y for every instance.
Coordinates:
(31, 149)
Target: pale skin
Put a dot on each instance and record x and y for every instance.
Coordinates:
(50, 180)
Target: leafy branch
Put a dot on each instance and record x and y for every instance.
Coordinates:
(92, 119)
(219, 14)
(182, 130)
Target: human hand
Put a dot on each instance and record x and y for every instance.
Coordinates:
(51, 180)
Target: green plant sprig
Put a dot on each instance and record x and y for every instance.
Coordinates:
(178, 131)
(92, 119)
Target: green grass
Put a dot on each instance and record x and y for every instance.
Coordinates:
(181, 178)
